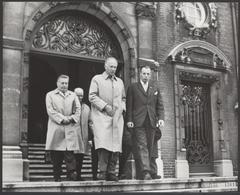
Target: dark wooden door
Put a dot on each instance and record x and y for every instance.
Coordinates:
(196, 111)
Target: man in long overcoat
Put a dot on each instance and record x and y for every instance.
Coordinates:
(107, 97)
(145, 112)
(63, 122)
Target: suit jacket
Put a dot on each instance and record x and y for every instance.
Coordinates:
(141, 103)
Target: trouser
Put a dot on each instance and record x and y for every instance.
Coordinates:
(94, 155)
(153, 166)
(107, 161)
(57, 159)
(79, 161)
(143, 139)
(126, 151)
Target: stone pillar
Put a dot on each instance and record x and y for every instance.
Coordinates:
(181, 169)
(223, 168)
(12, 60)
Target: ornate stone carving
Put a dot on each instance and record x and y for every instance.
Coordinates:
(25, 83)
(132, 72)
(132, 53)
(209, 23)
(95, 5)
(24, 137)
(219, 103)
(125, 33)
(37, 16)
(198, 57)
(197, 152)
(25, 111)
(25, 57)
(145, 10)
(113, 16)
(213, 20)
(197, 77)
(76, 33)
(28, 35)
(53, 3)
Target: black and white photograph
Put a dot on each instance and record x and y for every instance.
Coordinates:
(101, 96)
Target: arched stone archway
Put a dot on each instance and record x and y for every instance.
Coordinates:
(101, 12)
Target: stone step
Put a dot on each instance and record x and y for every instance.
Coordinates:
(211, 184)
(50, 166)
(208, 174)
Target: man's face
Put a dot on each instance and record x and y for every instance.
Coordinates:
(80, 95)
(145, 74)
(111, 66)
(62, 84)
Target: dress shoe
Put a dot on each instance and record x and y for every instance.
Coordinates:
(147, 176)
(155, 176)
(111, 177)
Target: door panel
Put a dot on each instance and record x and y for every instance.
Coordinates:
(196, 110)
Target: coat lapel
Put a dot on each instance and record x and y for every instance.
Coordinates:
(150, 89)
(141, 89)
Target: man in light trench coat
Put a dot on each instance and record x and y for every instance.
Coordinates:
(63, 122)
(107, 97)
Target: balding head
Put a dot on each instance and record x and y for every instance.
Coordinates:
(79, 92)
(111, 64)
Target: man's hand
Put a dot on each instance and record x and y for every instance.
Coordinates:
(130, 124)
(160, 123)
(109, 110)
(65, 121)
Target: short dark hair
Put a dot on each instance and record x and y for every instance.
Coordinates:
(144, 66)
(63, 76)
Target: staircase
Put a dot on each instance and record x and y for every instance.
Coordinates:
(40, 170)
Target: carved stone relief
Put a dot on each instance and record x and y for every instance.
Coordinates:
(76, 34)
(194, 31)
(145, 10)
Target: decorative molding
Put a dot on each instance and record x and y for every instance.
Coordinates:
(132, 72)
(209, 24)
(76, 34)
(26, 57)
(37, 16)
(125, 33)
(145, 10)
(25, 111)
(24, 137)
(131, 52)
(95, 5)
(197, 77)
(25, 83)
(198, 57)
(53, 3)
(13, 43)
(28, 35)
(113, 16)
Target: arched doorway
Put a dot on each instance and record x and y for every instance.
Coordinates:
(68, 42)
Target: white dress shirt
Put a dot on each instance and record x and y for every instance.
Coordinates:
(145, 85)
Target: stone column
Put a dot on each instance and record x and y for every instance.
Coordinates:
(12, 60)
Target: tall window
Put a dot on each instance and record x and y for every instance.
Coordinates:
(195, 13)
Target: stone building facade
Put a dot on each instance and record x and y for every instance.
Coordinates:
(191, 47)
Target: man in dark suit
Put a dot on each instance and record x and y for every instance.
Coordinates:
(145, 113)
